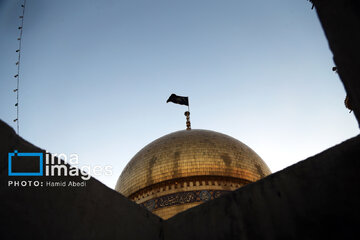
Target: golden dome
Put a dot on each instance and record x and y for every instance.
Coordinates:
(185, 168)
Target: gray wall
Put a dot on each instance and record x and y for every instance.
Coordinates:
(91, 212)
(317, 198)
(340, 20)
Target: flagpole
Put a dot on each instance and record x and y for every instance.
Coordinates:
(188, 104)
(187, 114)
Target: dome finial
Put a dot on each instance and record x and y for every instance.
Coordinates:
(188, 124)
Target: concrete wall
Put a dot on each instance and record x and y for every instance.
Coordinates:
(314, 199)
(340, 20)
(91, 212)
(318, 198)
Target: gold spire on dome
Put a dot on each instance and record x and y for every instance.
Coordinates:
(188, 124)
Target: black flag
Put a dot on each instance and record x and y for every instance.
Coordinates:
(178, 99)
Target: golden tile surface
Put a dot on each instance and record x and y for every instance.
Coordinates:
(189, 153)
(166, 213)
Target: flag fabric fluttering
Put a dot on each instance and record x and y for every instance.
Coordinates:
(178, 100)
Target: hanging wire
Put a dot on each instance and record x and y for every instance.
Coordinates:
(17, 75)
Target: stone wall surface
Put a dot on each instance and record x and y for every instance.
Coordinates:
(340, 20)
(313, 199)
(318, 198)
(91, 212)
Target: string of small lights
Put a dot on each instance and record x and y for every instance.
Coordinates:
(17, 75)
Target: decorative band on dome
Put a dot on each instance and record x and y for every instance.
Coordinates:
(183, 182)
(182, 198)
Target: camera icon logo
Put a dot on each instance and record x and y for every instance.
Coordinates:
(25, 164)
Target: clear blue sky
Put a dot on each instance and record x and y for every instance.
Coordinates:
(95, 76)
